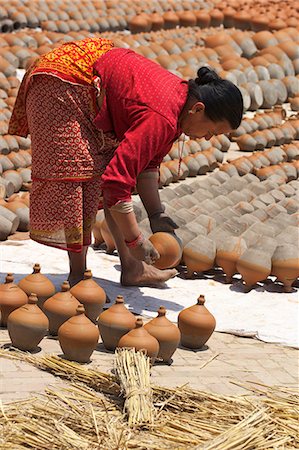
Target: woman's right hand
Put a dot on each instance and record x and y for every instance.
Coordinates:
(145, 251)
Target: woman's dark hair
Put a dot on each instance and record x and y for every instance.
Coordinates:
(222, 99)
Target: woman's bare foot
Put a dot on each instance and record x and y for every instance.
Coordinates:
(141, 274)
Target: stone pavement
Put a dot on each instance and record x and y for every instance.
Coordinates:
(227, 359)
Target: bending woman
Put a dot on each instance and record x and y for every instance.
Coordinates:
(101, 119)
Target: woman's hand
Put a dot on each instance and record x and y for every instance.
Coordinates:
(161, 222)
(144, 251)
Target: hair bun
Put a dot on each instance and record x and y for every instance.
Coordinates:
(206, 75)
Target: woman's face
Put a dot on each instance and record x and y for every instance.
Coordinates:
(195, 123)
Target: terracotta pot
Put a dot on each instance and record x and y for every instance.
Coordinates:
(115, 322)
(171, 19)
(285, 265)
(199, 255)
(228, 253)
(60, 307)
(157, 21)
(27, 325)
(140, 339)
(167, 334)
(11, 298)
(39, 284)
(254, 265)
(169, 249)
(107, 236)
(91, 295)
(78, 337)
(196, 324)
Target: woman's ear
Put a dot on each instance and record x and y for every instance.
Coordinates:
(197, 107)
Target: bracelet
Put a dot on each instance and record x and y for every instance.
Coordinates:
(136, 242)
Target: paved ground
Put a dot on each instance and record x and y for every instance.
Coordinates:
(237, 360)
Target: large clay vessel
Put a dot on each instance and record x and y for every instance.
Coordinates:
(199, 255)
(60, 307)
(115, 322)
(196, 324)
(140, 339)
(169, 250)
(39, 284)
(11, 298)
(91, 295)
(228, 253)
(27, 325)
(167, 334)
(78, 337)
(285, 265)
(254, 265)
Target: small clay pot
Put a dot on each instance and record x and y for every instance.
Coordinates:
(228, 253)
(39, 284)
(254, 265)
(115, 322)
(60, 307)
(199, 255)
(168, 248)
(140, 339)
(167, 334)
(91, 295)
(285, 265)
(196, 324)
(11, 298)
(27, 325)
(78, 337)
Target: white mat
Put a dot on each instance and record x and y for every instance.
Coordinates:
(268, 316)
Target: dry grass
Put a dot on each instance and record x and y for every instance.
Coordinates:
(88, 414)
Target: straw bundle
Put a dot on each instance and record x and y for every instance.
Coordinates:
(79, 417)
(133, 371)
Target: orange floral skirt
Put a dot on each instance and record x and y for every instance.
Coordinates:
(69, 155)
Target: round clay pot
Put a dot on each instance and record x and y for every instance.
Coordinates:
(285, 265)
(228, 253)
(39, 284)
(11, 298)
(168, 248)
(167, 334)
(91, 295)
(254, 265)
(78, 337)
(196, 324)
(60, 307)
(140, 339)
(27, 325)
(115, 322)
(199, 255)
(171, 19)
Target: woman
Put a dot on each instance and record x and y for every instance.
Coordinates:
(101, 119)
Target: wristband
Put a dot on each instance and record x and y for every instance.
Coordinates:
(138, 241)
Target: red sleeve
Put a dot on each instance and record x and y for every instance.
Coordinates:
(144, 145)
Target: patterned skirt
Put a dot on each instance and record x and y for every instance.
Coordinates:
(69, 155)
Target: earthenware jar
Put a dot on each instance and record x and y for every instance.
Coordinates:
(27, 325)
(254, 265)
(169, 250)
(199, 255)
(228, 253)
(115, 322)
(285, 265)
(11, 298)
(60, 307)
(78, 337)
(167, 334)
(91, 295)
(140, 339)
(39, 284)
(196, 324)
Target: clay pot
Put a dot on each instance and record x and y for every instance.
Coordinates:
(115, 322)
(140, 339)
(60, 307)
(39, 284)
(228, 253)
(157, 21)
(11, 298)
(254, 265)
(107, 236)
(285, 265)
(22, 211)
(171, 19)
(199, 255)
(27, 325)
(91, 295)
(97, 234)
(196, 324)
(169, 249)
(167, 334)
(78, 337)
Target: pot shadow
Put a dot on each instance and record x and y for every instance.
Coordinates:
(62, 356)
(102, 349)
(204, 348)
(10, 347)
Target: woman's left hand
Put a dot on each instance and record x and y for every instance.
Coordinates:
(162, 222)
